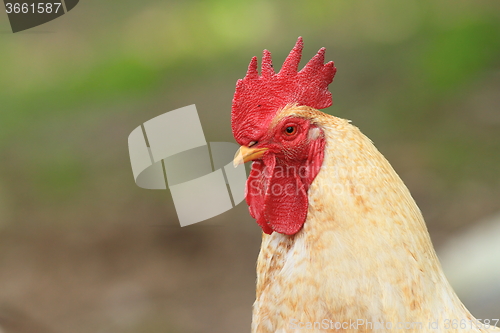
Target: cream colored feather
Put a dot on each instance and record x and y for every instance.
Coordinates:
(364, 254)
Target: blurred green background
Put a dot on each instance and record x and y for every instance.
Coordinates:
(83, 249)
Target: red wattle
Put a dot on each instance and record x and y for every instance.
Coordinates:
(277, 193)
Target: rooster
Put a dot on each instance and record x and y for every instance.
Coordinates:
(344, 246)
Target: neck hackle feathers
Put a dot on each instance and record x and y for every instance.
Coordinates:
(258, 98)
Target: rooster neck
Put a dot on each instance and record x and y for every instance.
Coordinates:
(364, 251)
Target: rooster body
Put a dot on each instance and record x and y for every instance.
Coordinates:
(345, 247)
(364, 252)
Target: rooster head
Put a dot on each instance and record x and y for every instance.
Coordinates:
(272, 119)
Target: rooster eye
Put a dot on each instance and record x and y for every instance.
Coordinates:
(290, 130)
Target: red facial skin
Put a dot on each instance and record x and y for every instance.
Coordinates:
(276, 190)
(278, 183)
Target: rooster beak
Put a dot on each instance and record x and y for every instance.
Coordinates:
(245, 154)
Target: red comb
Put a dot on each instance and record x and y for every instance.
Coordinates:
(258, 98)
